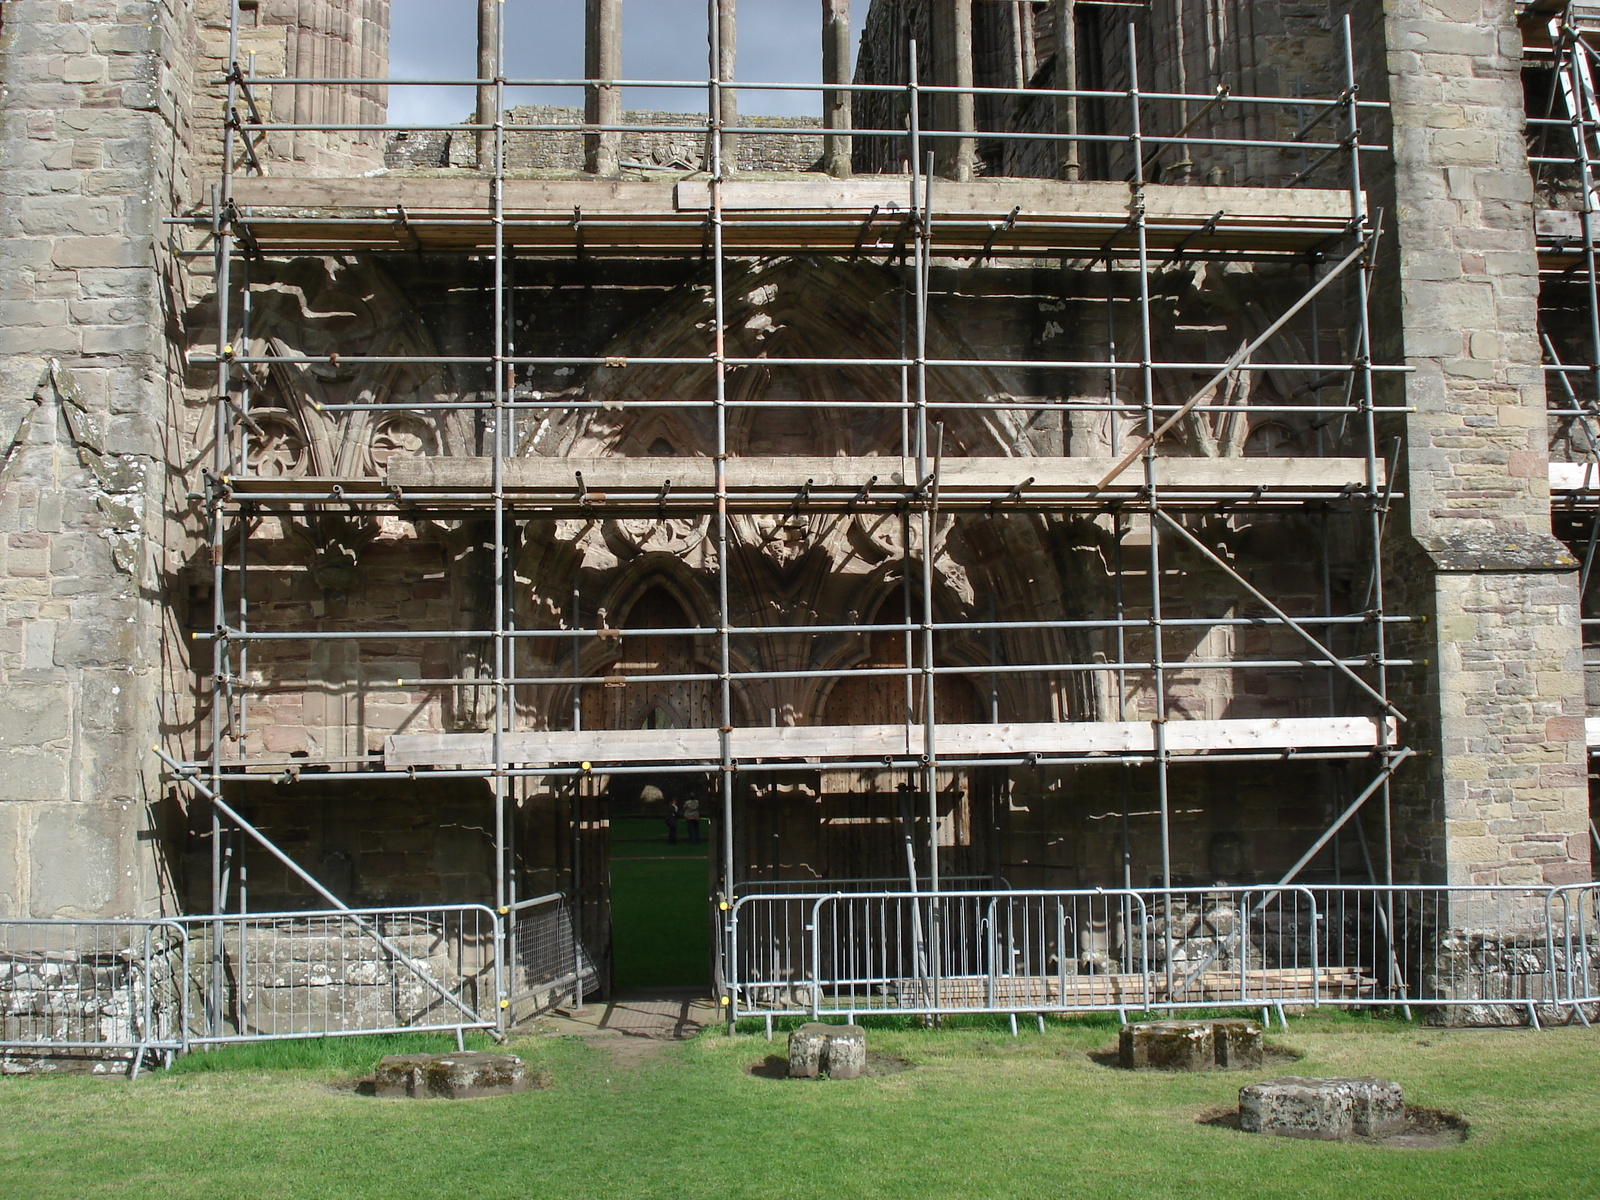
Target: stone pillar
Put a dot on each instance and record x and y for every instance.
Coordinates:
(488, 68)
(92, 135)
(954, 158)
(836, 107)
(1069, 159)
(1502, 712)
(602, 103)
(727, 58)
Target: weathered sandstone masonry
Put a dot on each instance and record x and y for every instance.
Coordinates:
(849, 510)
(93, 133)
(1505, 792)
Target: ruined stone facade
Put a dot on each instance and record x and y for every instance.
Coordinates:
(113, 122)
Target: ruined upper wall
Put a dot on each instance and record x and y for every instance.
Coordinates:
(308, 39)
(1264, 48)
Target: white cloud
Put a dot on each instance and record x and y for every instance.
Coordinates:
(780, 41)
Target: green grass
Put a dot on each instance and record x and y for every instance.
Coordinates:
(647, 837)
(352, 1055)
(981, 1116)
(660, 916)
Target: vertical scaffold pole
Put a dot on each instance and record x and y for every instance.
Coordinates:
(1069, 160)
(720, 25)
(1368, 402)
(1147, 388)
(488, 112)
(222, 433)
(502, 414)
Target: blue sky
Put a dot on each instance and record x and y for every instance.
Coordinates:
(780, 41)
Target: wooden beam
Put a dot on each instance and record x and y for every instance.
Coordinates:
(1574, 477)
(860, 743)
(1036, 197)
(675, 486)
(836, 480)
(807, 214)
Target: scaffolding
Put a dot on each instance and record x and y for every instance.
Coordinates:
(1154, 505)
(1564, 155)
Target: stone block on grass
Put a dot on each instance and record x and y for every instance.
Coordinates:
(465, 1075)
(1328, 1109)
(838, 1051)
(1238, 1044)
(1167, 1046)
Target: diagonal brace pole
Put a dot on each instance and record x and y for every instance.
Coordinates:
(1289, 876)
(310, 881)
(1333, 659)
(1146, 440)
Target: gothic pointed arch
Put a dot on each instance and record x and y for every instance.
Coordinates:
(778, 309)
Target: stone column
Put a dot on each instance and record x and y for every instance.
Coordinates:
(318, 39)
(952, 48)
(1502, 712)
(488, 68)
(1069, 159)
(836, 107)
(727, 58)
(602, 103)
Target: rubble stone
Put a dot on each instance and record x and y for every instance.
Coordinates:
(1189, 1045)
(837, 1051)
(1330, 1109)
(465, 1075)
(1167, 1046)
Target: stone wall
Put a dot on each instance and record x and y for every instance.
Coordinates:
(332, 39)
(1503, 703)
(680, 149)
(94, 136)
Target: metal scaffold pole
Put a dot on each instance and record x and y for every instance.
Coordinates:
(503, 712)
(1099, 655)
(719, 23)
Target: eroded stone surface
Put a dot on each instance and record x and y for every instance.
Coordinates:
(464, 1075)
(399, 1076)
(838, 1051)
(1238, 1043)
(1167, 1046)
(1332, 1108)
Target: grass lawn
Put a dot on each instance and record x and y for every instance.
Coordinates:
(978, 1115)
(660, 915)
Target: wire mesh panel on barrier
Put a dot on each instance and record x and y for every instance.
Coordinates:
(1575, 948)
(83, 988)
(977, 951)
(1246, 946)
(1475, 955)
(546, 960)
(1481, 955)
(258, 977)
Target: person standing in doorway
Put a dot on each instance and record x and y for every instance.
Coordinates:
(672, 822)
(691, 818)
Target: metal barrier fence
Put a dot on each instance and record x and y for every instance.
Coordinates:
(88, 987)
(1574, 948)
(545, 956)
(1488, 955)
(267, 976)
